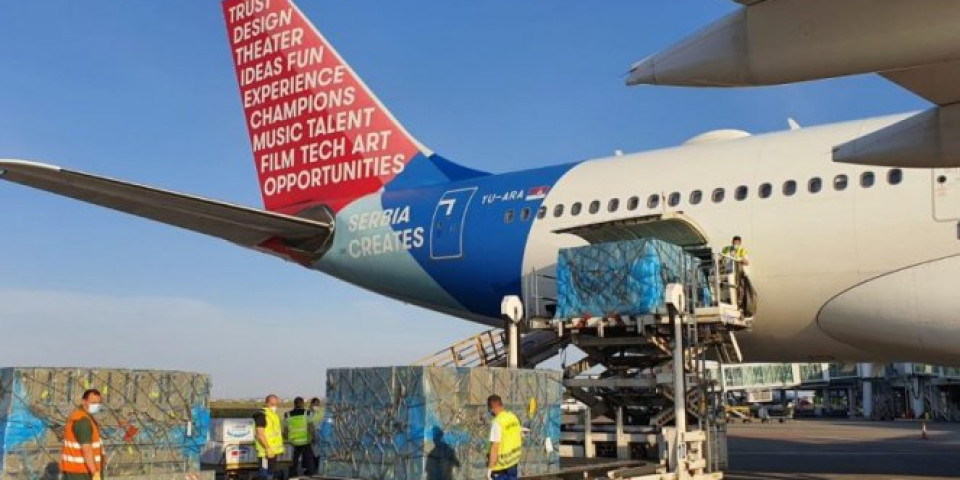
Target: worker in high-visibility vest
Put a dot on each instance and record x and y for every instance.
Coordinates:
(296, 424)
(506, 438)
(736, 251)
(269, 438)
(82, 454)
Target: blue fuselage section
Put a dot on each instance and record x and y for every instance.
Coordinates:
(455, 246)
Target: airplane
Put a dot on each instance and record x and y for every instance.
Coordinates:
(853, 229)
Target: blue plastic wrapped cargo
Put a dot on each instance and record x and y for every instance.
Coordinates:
(431, 423)
(154, 424)
(619, 278)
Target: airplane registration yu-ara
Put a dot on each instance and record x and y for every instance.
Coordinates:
(850, 262)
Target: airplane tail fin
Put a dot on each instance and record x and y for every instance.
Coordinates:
(319, 135)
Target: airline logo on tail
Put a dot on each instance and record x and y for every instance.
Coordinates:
(319, 135)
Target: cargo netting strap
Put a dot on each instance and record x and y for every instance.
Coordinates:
(153, 422)
(409, 423)
(621, 278)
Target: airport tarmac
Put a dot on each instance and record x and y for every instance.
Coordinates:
(843, 450)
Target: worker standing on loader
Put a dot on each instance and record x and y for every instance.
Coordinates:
(506, 438)
(82, 454)
(269, 438)
(736, 251)
(296, 423)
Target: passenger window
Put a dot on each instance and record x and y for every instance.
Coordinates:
(789, 187)
(558, 210)
(508, 217)
(674, 199)
(594, 206)
(542, 212)
(840, 183)
(867, 179)
(895, 176)
(766, 190)
(653, 201)
(525, 214)
(613, 205)
(633, 203)
(718, 195)
(741, 193)
(575, 209)
(696, 197)
(815, 185)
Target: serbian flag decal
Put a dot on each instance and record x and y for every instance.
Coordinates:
(537, 193)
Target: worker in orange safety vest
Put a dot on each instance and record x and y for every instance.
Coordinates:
(82, 454)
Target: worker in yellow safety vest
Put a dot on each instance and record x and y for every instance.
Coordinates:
(269, 438)
(506, 438)
(299, 434)
(735, 253)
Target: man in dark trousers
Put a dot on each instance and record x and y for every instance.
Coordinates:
(315, 414)
(299, 435)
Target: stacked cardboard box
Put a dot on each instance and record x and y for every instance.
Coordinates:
(413, 423)
(154, 423)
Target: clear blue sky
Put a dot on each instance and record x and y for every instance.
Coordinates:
(145, 91)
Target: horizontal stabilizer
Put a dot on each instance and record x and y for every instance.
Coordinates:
(293, 238)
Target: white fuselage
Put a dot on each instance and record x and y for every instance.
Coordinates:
(807, 248)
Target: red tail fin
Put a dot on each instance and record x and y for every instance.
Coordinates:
(319, 135)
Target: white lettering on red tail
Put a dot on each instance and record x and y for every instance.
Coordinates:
(318, 134)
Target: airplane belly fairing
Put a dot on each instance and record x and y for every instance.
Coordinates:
(904, 315)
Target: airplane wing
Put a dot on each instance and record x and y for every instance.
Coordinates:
(939, 83)
(913, 44)
(293, 238)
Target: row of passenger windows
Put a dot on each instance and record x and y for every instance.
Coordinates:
(718, 195)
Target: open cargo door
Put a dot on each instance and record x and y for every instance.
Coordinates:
(671, 227)
(678, 229)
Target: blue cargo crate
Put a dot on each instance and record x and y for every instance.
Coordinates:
(620, 278)
(419, 423)
(154, 423)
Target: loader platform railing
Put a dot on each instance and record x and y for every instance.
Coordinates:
(481, 350)
(490, 349)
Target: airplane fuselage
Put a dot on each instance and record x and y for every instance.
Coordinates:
(460, 247)
(850, 262)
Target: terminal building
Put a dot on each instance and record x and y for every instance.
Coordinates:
(856, 390)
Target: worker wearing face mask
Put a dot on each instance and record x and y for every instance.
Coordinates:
(269, 438)
(736, 252)
(82, 454)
